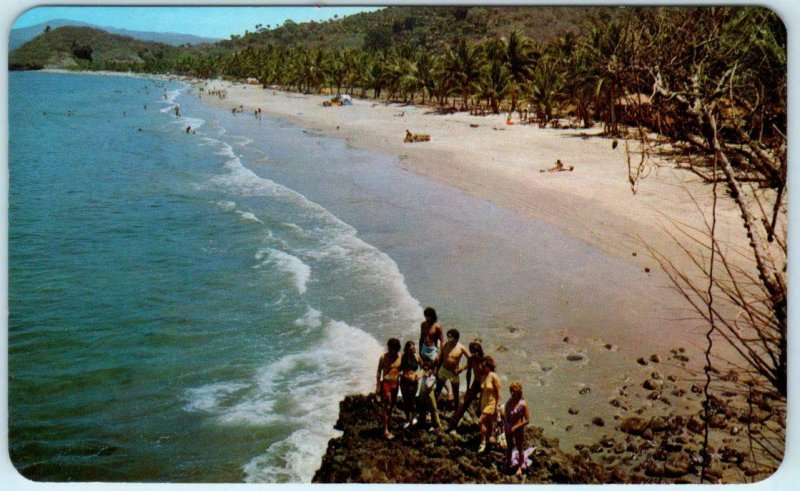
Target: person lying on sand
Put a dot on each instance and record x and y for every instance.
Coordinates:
(416, 137)
(559, 167)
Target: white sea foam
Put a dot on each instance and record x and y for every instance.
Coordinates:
(300, 271)
(227, 151)
(307, 387)
(248, 216)
(211, 397)
(195, 123)
(316, 382)
(312, 318)
(226, 205)
(332, 241)
(243, 141)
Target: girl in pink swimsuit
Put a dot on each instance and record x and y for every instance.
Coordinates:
(515, 417)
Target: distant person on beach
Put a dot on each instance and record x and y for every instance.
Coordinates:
(409, 373)
(388, 376)
(515, 417)
(490, 396)
(473, 381)
(430, 336)
(427, 400)
(449, 371)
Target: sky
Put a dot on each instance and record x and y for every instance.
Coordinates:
(206, 21)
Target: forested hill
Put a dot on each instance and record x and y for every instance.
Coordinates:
(84, 47)
(426, 28)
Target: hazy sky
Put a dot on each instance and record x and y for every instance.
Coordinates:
(217, 22)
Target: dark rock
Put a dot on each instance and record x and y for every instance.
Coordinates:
(598, 421)
(659, 423)
(695, 425)
(633, 425)
(574, 357)
(651, 384)
(641, 361)
(677, 466)
(617, 403)
(656, 375)
(584, 390)
(573, 410)
(655, 358)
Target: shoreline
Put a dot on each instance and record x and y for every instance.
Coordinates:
(575, 361)
(504, 164)
(501, 165)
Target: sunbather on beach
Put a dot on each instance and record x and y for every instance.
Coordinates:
(388, 380)
(410, 364)
(473, 381)
(449, 371)
(430, 336)
(515, 417)
(490, 396)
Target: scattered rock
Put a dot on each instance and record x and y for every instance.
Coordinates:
(617, 403)
(634, 425)
(651, 384)
(609, 346)
(573, 410)
(659, 423)
(574, 357)
(584, 391)
(598, 421)
(656, 375)
(655, 358)
(695, 425)
(641, 361)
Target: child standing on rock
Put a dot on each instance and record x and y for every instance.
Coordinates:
(515, 417)
(427, 399)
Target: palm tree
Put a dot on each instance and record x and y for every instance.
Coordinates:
(495, 82)
(521, 59)
(545, 86)
(462, 68)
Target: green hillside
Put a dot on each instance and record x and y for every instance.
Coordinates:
(429, 28)
(84, 47)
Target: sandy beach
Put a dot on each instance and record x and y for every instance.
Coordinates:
(578, 370)
(501, 163)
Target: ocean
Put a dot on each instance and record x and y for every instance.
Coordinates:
(173, 315)
(192, 306)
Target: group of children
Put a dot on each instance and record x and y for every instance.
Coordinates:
(420, 378)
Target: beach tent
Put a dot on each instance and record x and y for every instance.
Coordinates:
(346, 100)
(252, 80)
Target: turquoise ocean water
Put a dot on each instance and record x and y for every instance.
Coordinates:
(173, 315)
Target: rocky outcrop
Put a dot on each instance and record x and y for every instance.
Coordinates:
(362, 455)
(662, 444)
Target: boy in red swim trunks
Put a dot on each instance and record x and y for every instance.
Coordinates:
(388, 377)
